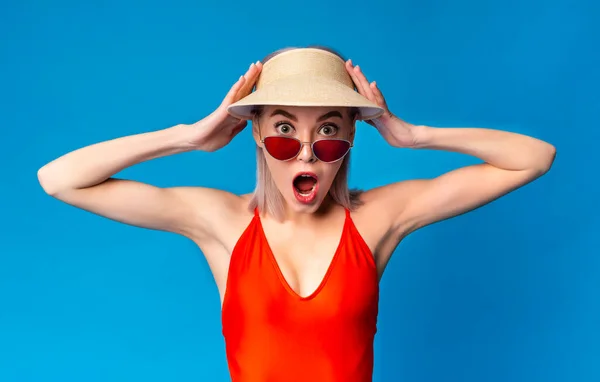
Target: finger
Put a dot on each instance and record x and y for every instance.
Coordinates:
(251, 77)
(252, 70)
(361, 82)
(364, 83)
(354, 77)
(378, 95)
(248, 77)
(230, 97)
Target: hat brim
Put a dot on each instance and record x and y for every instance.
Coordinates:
(305, 91)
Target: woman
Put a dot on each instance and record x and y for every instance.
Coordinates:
(297, 263)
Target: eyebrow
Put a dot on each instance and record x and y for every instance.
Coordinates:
(293, 117)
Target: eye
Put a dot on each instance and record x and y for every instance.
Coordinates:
(329, 129)
(283, 127)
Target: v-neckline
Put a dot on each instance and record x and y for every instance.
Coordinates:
(282, 278)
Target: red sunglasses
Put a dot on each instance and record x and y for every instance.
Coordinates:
(326, 150)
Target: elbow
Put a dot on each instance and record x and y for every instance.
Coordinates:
(45, 181)
(550, 157)
(42, 180)
(546, 159)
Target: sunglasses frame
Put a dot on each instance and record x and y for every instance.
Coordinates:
(311, 147)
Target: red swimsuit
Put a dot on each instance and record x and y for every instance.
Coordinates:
(273, 334)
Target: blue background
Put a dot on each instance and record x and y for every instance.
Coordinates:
(509, 292)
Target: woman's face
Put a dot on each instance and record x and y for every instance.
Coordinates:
(304, 180)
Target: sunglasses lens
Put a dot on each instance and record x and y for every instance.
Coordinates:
(282, 148)
(331, 150)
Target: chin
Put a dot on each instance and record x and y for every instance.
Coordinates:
(299, 203)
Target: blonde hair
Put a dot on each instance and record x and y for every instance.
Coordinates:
(266, 195)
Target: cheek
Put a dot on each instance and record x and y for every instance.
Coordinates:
(328, 175)
(279, 170)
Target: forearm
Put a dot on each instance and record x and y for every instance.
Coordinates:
(91, 165)
(502, 149)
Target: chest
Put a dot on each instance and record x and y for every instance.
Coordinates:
(303, 260)
(305, 283)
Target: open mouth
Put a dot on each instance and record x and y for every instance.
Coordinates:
(305, 185)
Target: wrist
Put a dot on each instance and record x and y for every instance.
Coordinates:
(184, 137)
(423, 136)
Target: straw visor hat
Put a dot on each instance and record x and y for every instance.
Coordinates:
(305, 77)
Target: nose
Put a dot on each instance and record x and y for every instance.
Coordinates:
(306, 154)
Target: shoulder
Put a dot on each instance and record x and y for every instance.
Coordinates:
(380, 218)
(215, 212)
(388, 203)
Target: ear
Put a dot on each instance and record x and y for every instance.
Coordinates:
(352, 130)
(256, 131)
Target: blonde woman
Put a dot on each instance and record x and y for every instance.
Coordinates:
(297, 262)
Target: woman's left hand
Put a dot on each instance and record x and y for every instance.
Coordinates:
(395, 131)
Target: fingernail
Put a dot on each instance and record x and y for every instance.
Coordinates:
(251, 65)
(257, 62)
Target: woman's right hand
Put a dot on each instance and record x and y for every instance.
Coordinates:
(218, 129)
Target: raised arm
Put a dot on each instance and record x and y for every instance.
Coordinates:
(83, 178)
(511, 160)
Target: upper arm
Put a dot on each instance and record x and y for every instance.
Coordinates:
(183, 210)
(413, 204)
(459, 191)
